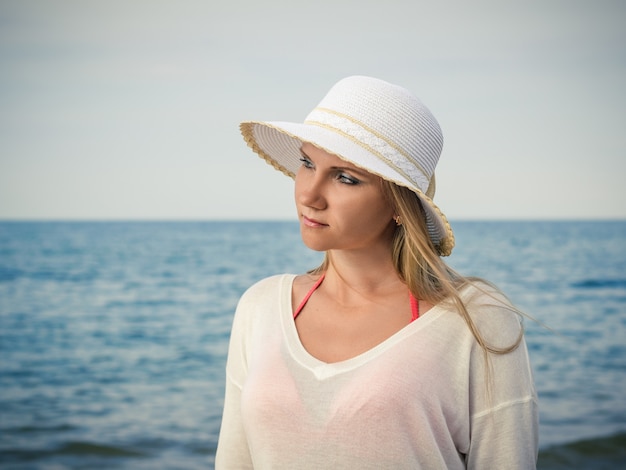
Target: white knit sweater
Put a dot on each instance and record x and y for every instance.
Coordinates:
(419, 400)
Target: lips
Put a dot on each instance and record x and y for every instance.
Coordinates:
(312, 222)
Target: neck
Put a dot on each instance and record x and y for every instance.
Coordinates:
(371, 272)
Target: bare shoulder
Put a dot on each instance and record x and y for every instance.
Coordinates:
(302, 284)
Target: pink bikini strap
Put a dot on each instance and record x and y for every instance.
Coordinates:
(306, 298)
(415, 309)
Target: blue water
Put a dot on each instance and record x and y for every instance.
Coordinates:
(113, 336)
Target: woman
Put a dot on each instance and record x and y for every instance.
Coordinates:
(382, 357)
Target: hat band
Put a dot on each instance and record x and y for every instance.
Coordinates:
(372, 141)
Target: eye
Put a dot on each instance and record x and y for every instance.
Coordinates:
(347, 179)
(306, 163)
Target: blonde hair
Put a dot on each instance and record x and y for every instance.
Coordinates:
(418, 262)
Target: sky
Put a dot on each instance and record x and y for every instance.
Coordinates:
(130, 109)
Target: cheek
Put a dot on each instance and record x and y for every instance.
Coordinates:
(378, 207)
(372, 212)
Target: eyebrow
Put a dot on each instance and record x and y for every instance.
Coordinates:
(353, 169)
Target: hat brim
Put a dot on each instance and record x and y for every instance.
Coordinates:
(279, 144)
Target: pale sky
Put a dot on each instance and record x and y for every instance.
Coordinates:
(130, 109)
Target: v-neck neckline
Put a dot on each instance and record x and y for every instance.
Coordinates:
(323, 369)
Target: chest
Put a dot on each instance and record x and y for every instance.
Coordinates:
(333, 333)
(397, 376)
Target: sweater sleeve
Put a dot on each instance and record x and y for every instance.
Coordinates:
(506, 437)
(232, 448)
(504, 413)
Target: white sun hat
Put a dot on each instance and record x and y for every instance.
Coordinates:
(375, 125)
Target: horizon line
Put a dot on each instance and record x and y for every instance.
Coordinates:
(282, 220)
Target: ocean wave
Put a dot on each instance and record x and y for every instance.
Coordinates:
(9, 274)
(600, 284)
(593, 454)
(71, 448)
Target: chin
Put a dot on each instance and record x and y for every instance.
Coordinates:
(321, 247)
(316, 248)
(314, 243)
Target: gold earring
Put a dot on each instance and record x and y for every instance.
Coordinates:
(398, 220)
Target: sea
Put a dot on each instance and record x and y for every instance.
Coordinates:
(113, 335)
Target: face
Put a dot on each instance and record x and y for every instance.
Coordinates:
(340, 206)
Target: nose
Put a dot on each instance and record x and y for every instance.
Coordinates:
(309, 189)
